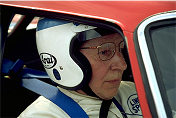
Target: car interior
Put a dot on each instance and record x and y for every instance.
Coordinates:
(17, 45)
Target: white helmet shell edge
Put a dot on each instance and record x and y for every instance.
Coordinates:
(53, 38)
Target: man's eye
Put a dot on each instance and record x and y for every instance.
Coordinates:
(106, 52)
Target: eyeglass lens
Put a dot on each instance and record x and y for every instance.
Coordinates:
(107, 50)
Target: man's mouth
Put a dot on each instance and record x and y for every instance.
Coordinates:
(114, 81)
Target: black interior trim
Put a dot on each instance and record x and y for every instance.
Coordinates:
(5, 19)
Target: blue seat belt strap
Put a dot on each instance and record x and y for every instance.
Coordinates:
(50, 92)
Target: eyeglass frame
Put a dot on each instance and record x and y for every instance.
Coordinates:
(97, 47)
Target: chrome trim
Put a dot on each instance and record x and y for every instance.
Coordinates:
(147, 61)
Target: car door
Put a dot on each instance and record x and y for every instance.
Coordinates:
(156, 92)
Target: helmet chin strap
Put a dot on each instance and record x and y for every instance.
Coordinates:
(89, 91)
(105, 104)
(105, 108)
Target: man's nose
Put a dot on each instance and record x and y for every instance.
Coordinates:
(118, 62)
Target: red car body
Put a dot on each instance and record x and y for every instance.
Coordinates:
(126, 14)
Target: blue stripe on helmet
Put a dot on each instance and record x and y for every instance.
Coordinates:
(47, 23)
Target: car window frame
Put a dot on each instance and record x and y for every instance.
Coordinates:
(150, 74)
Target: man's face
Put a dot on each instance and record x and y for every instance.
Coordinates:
(106, 75)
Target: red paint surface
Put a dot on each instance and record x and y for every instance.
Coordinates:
(128, 13)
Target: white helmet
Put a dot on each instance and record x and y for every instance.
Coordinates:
(58, 43)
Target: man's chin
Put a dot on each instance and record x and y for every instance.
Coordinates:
(109, 95)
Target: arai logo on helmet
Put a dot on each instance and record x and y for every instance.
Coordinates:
(48, 60)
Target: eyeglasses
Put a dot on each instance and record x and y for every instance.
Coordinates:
(107, 50)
